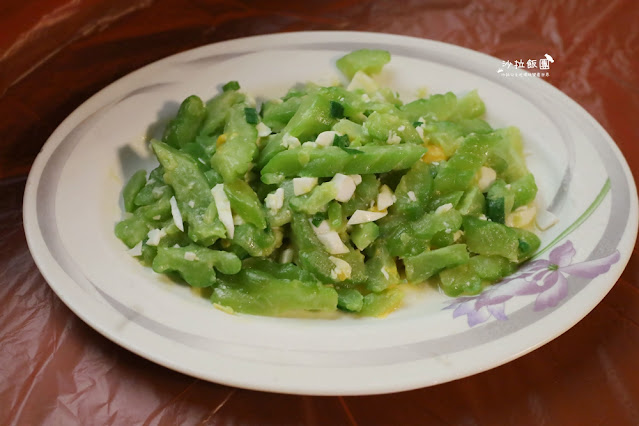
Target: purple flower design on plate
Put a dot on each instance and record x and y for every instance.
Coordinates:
(547, 278)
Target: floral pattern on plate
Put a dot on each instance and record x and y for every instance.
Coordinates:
(546, 278)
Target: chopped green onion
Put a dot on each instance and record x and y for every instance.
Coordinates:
(337, 110)
(341, 141)
(318, 218)
(351, 150)
(251, 115)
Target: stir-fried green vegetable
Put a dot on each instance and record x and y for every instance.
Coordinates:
(332, 198)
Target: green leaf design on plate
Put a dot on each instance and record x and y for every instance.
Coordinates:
(581, 219)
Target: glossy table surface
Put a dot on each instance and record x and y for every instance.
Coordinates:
(54, 369)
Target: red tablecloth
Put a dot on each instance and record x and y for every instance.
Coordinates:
(54, 369)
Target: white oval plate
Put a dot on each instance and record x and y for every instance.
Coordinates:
(72, 201)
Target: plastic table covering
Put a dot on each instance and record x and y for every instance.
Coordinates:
(54, 369)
